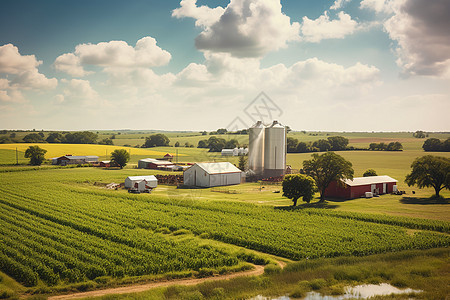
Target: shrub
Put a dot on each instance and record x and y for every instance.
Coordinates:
(272, 269)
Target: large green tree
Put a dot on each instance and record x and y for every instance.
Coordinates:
(33, 138)
(120, 157)
(327, 168)
(430, 171)
(338, 143)
(299, 185)
(36, 155)
(156, 140)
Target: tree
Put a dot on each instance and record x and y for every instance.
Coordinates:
(216, 144)
(432, 144)
(302, 147)
(120, 157)
(419, 134)
(231, 144)
(326, 168)
(55, 137)
(242, 163)
(291, 145)
(299, 185)
(394, 146)
(430, 171)
(202, 144)
(370, 172)
(156, 140)
(106, 142)
(338, 143)
(322, 144)
(177, 144)
(82, 137)
(33, 138)
(36, 155)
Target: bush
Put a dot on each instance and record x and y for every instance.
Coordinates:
(181, 231)
(272, 269)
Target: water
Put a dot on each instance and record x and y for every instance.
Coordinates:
(363, 291)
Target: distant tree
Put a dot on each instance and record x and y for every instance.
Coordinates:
(113, 136)
(338, 143)
(222, 131)
(299, 185)
(326, 168)
(216, 144)
(156, 140)
(41, 134)
(33, 138)
(187, 144)
(231, 144)
(394, 146)
(419, 134)
(288, 129)
(204, 133)
(202, 144)
(322, 144)
(36, 155)
(55, 137)
(106, 142)
(291, 145)
(82, 137)
(242, 164)
(4, 140)
(12, 135)
(302, 147)
(177, 144)
(120, 157)
(430, 171)
(446, 145)
(370, 172)
(433, 144)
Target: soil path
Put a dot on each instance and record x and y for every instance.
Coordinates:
(258, 270)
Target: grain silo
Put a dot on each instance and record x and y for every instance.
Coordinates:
(275, 150)
(256, 148)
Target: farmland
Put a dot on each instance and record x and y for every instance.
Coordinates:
(61, 230)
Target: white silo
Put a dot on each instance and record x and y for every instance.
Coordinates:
(256, 148)
(275, 150)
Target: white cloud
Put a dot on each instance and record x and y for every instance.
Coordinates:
(324, 28)
(338, 4)
(204, 15)
(80, 91)
(21, 72)
(246, 28)
(113, 54)
(421, 30)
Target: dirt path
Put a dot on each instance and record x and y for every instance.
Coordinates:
(258, 270)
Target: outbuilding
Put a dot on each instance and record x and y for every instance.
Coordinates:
(74, 160)
(359, 186)
(150, 180)
(155, 164)
(212, 174)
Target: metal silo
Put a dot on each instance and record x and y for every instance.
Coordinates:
(256, 148)
(275, 150)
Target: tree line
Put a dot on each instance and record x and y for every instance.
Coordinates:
(436, 145)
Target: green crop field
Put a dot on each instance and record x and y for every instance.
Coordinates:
(59, 227)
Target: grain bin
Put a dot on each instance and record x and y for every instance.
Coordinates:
(256, 148)
(274, 150)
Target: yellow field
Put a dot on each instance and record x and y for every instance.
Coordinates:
(57, 150)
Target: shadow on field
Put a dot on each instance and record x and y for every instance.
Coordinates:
(424, 201)
(323, 205)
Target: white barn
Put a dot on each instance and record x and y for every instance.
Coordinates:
(212, 174)
(150, 180)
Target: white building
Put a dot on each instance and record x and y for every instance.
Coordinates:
(212, 174)
(234, 152)
(150, 181)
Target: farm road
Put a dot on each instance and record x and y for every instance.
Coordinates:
(258, 270)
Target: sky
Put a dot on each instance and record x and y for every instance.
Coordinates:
(328, 65)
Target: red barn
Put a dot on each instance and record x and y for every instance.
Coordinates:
(358, 187)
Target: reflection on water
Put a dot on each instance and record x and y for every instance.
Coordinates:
(363, 291)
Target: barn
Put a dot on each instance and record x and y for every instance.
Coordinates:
(212, 174)
(150, 180)
(358, 187)
(151, 163)
(74, 160)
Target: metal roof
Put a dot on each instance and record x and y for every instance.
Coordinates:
(161, 162)
(78, 157)
(147, 178)
(148, 159)
(369, 180)
(219, 167)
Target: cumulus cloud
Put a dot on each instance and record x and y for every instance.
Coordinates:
(338, 4)
(113, 54)
(80, 91)
(324, 28)
(20, 72)
(420, 29)
(245, 28)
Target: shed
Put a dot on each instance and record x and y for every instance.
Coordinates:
(212, 174)
(73, 160)
(358, 187)
(150, 180)
(168, 157)
(143, 163)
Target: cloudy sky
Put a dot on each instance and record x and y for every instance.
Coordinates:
(344, 65)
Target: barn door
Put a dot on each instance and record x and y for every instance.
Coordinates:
(373, 187)
(384, 188)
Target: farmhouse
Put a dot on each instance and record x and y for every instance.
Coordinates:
(141, 181)
(360, 185)
(74, 160)
(212, 174)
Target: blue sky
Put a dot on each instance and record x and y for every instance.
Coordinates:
(345, 65)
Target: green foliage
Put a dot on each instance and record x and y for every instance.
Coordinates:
(392, 146)
(106, 142)
(177, 144)
(242, 163)
(36, 155)
(83, 137)
(430, 171)
(370, 172)
(436, 145)
(291, 144)
(33, 138)
(297, 186)
(156, 140)
(55, 137)
(323, 145)
(120, 157)
(326, 168)
(338, 143)
(420, 134)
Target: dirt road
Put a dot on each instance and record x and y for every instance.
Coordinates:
(258, 270)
